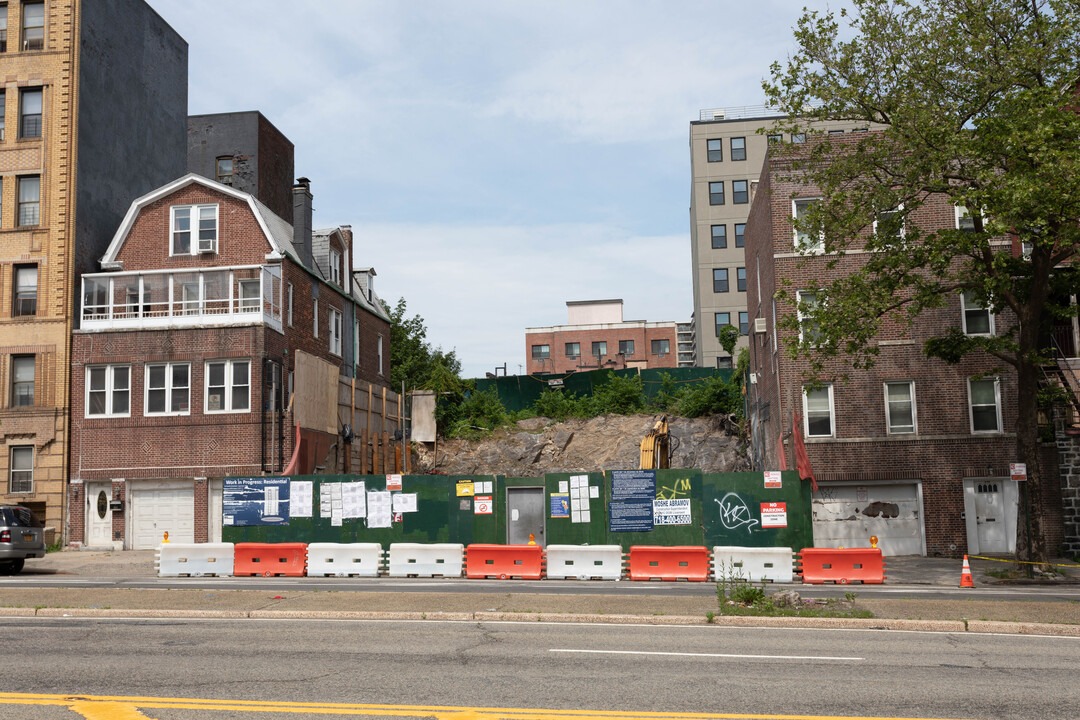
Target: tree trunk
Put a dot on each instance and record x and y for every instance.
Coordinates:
(1027, 452)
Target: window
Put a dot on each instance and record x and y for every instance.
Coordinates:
(33, 24)
(207, 218)
(739, 193)
(108, 391)
(798, 137)
(719, 237)
(721, 319)
(30, 113)
(356, 340)
(978, 320)
(22, 380)
(29, 201)
(740, 279)
(168, 389)
(335, 332)
(573, 350)
(626, 347)
(3, 31)
(808, 327)
(723, 363)
(738, 148)
(661, 347)
(3, 107)
(776, 139)
(379, 353)
(900, 407)
(740, 234)
(715, 150)
(26, 282)
(744, 323)
(719, 280)
(818, 412)
(716, 193)
(228, 386)
(249, 295)
(965, 220)
(599, 349)
(836, 132)
(315, 317)
(21, 469)
(541, 352)
(804, 242)
(290, 304)
(225, 170)
(335, 267)
(984, 398)
(891, 222)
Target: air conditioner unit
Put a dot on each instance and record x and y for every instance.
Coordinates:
(759, 325)
(207, 246)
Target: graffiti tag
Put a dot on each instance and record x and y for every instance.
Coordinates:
(681, 489)
(734, 513)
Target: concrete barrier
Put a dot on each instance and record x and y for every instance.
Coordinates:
(194, 559)
(753, 564)
(584, 562)
(424, 560)
(344, 559)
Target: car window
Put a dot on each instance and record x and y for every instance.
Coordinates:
(22, 517)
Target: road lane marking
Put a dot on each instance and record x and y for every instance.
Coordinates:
(712, 655)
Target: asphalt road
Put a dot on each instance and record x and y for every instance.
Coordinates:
(467, 665)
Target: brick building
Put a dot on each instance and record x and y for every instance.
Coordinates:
(597, 337)
(183, 366)
(914, 450)
(97, 96)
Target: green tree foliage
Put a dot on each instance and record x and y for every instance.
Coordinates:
(413, 360)
(978, 98)
(729, 338)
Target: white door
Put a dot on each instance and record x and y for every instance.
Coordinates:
(847, 515)
(98, 515)
(990, 509)
(156, 511)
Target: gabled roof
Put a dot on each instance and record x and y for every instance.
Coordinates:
(278, 233)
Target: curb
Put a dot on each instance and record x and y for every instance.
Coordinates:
(734, 621)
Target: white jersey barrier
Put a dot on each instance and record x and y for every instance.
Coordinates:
(420, 560)
(344, 559)
(753, 564)
(584, 562)
(194, 559)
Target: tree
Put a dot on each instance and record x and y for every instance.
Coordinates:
(413, 360)
(729, 338)
(978, 102)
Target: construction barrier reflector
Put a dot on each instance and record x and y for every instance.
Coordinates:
(270, 559)
(753, 564)
(653, 562)
(194, 559)
(420, 560)
(584, 562)
(504, 561)
(344, 559)
(842, 566)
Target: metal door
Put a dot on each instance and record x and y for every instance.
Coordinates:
(525, 515)
(98, 515)
(990, 518)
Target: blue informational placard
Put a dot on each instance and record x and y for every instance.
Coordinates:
(560, 505)
(255, 501)
(631, 505)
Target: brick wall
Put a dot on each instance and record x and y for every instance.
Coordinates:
(641, 334)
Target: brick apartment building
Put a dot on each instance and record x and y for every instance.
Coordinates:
(183, 366)
(915, 451)
(97, 97)
(597, 337)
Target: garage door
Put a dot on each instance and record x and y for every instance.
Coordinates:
(847, 515)
(155, 512)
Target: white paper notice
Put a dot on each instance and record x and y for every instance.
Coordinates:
(487, 486)
(586, 516)
(594, 491)
(575, 515)
(300, 494)
(379, 509)
(564, 486)
(404, 502)
(325, 493)
(353, 503)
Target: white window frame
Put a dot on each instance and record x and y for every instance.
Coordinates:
(110, 391)
(540, 352)
(380, 354)
(194, 216)
(334, 323)
(888, 408)
(804, 319)
(997, 405)
(335, 267)
(290, 303)
(575, 355)
(806, 412)
(249, 303)
(168, 389)
(964, 307)
(228, 386)
(801, 239)
(315, 317)
(898, 209)
(12, 470)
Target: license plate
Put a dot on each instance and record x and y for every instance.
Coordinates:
(28, 538)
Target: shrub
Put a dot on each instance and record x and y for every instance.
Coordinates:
(559, 405)
(619, 396)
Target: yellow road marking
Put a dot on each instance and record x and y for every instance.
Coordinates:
(103, 707)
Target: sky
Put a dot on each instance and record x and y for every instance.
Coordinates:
(495, 158)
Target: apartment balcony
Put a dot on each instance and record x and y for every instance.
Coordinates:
(153, 299)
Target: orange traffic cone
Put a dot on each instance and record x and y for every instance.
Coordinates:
(965, 575)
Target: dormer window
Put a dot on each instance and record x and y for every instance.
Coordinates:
(205, 217)
(335, 267)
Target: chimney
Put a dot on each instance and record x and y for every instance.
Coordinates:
(301, 200)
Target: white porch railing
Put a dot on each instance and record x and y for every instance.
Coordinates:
(182, 298)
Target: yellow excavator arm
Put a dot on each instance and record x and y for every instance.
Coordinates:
(655, 448)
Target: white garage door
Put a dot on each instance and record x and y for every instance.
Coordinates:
(847, 515)
(157, 511)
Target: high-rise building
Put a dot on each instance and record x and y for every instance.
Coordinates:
(97, 96)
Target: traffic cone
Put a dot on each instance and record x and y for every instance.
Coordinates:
(965, 575)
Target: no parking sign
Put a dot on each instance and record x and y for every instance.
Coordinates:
(482, 505)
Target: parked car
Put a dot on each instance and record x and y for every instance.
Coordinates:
(21, 536)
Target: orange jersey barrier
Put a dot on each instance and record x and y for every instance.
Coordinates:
(504, 561)
(842, 566)
(653, 562)
(270, 559)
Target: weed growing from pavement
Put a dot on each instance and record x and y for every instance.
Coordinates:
(737, 596)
